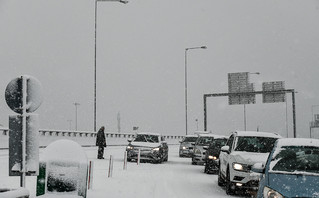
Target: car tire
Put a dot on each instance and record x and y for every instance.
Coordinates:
(220, 180)
(206, 169)
(193, 162)
(229, 185)
(166, 158)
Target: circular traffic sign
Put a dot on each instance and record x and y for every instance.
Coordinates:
(14, 94)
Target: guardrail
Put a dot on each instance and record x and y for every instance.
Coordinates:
(84, 138)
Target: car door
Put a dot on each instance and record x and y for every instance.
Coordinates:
(224, 156)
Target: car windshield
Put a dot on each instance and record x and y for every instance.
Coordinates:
(146, 138)
(218, 143)
(255, 144)
(296, 159)
(204, 140)
(190, 139)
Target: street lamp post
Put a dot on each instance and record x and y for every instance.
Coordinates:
(186, 49)
(76, 115)
(95, 31)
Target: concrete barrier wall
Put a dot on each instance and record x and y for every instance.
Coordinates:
(84, 138)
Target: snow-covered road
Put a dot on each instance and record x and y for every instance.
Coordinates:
(175, 178)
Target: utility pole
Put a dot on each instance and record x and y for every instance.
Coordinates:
(119, 122)
(76, 115)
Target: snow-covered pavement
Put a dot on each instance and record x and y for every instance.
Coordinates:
(175, 178)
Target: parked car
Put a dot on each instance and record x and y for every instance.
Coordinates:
(243, 149)
(212, 154)
(186, 147)
(202, 142)
(292, 169)
(152, 147)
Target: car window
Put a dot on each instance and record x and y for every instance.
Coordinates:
(230, 141)
(204, 140)
(255, 144)
(190, 139)
(296, 159)
(218, 143)
(146, 138)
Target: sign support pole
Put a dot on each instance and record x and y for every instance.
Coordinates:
(24, 130)
(292, 91)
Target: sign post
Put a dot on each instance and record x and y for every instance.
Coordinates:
(23, 96)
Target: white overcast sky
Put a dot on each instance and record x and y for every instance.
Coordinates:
(140, 61)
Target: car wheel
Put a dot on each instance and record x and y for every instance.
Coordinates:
(220, 180)
(166, 158)
(129, 159)
(193, 162)
(206, 169)
(229, 185)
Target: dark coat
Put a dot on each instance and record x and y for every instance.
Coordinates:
(100, 138)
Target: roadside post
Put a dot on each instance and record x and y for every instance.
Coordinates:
(23, 96)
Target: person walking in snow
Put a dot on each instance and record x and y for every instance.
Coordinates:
(100, 142)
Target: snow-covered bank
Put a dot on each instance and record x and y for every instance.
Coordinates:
(175, 178)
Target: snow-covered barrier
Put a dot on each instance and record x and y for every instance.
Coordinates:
(84, 138)
(14, 193)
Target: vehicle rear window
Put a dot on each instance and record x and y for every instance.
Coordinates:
(296, 159)
(190, 139)
(204, 140)
(255, 144)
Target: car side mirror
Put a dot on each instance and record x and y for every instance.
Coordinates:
(205, 147)
(130, 140)
(193, 144)
(180, 141)
(258, 168)
(225, 149)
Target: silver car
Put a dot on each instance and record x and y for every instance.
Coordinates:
(199, 152)
(151, 147)
(186, 147)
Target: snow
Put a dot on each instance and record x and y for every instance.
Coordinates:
(298, 142)
(57, 151)
(249, 157)
(175, 178)
(145, 144)
(257, 134)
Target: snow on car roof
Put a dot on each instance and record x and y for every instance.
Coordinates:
(257, 134)
(191, 136)
(148, 133)
(212, 135)
(298, 142)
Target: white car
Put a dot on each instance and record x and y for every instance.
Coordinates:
(243, 149)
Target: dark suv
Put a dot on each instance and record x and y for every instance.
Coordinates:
(212, 155)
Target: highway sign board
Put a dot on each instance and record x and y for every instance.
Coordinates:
(274, 97)
(239, 83)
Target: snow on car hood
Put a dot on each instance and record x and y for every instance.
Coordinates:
(250, 158)
(145, 144)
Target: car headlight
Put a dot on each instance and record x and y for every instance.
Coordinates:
(184, 148)
(212, 157)
(270, 193)
(197, 151)
(240, 167)
(129, 147)
(156, 149)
